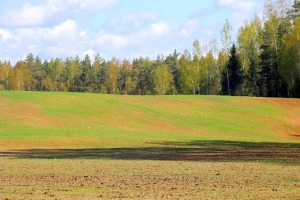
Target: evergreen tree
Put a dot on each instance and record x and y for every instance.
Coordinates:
(250, 41)
(85, 77)
(271, 83)
(99, 74)
(142, 69)
(252, 77)
(173, 63)
(294, 12)
(234, 74)
(102, 77)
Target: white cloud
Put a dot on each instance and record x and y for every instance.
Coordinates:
(68, 28)
(242, 5)
(82, 33)
(61, 33)
(113, 41)
(160, 29)
(189, 28)
(68, 39)
(77, 6)
(225, 2)
(110, 41)
(62, 40)
(56, 28)
(52, 10)
(154, 31)
(140, 18)
(90, 52)
(28, 15)
(5, 34)
(132, 21)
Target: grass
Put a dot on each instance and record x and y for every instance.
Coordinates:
(91, 146)
(71, 120)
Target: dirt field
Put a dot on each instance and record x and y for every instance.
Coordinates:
(116, 179)
(198, 170)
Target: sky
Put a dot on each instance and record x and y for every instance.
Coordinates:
(114, 28)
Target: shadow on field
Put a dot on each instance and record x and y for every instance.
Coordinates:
(212, 151)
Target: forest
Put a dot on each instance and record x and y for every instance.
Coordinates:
(263, 62)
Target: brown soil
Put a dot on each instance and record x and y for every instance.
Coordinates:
(191, 170)
(291, 110)
(119, 179)
(58, 142)
(29, 115)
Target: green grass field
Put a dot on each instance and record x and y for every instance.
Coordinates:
(71, 120)
(236, 146)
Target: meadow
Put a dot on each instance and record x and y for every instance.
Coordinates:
(91, 146)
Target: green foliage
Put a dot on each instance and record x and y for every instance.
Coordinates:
(95, 70)
(294, 12)
(290, 65)
(142, 69)
(173, 63)
(226, 36)
(210, 76)
(163, 80)
(21, 78)
(85, 82)
(38, 72)
(250, 41)
(5, 70)
(272, 84)
(112, 84)
(74, 72)
(190, 71)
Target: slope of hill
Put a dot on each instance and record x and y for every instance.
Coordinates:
(73, 120)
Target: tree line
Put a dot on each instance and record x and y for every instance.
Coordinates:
(264, 62)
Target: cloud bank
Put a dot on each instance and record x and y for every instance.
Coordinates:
(54, 28)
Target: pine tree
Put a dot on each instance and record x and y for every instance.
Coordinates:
(85, 76)
(173, 63)
(294, 12)
(232, 73)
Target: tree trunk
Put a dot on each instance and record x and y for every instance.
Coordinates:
(228, 84)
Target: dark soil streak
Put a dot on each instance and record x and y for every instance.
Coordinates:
(211, 151)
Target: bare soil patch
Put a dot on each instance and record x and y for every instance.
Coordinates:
(291, 110)
(28, 114)
(168, 170)
(119, 179)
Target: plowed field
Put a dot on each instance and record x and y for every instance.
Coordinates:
(91, 146)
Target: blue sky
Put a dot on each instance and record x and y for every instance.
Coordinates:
(114, 28)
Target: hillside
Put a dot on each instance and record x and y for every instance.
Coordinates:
(72, 120)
